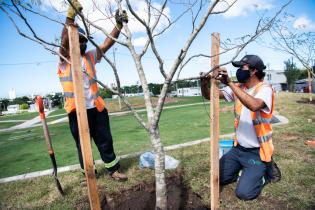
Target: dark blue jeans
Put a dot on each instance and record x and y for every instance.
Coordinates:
(99, 131)
(250, 182)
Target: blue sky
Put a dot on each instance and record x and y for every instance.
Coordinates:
(28, 68)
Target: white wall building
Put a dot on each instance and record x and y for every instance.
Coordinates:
(277, 79)
(12, 109)
(190, 91)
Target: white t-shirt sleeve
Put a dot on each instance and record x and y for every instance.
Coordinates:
(228, 93)
(94, 54)
(265, 94)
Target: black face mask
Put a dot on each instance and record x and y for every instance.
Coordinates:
(242, 75)
(82, 48)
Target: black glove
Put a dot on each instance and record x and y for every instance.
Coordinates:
(223, 76)
(121, 18)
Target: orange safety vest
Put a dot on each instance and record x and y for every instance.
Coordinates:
(67, 85)
(261, 122)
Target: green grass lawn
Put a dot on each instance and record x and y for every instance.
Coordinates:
(4, 125)
(295, 190)
(21, 116)
(24, 151)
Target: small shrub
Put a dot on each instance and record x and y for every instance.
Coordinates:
(24, 106)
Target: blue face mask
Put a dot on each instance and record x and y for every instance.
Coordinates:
(242, 75)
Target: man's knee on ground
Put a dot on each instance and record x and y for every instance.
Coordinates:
(246, 194)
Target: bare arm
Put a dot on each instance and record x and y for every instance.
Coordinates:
(64, 49)
(107, 43)
(253, 104)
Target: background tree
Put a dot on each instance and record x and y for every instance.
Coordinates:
(291, 72)
(21, 100)
(105, 93)
(303, 74)
(155, 89)
(198, 12)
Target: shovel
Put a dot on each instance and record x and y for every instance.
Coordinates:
(39, 102)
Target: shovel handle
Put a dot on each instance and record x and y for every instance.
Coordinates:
(40, 105)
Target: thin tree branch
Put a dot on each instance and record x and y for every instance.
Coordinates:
(149, 32)
(30, 27)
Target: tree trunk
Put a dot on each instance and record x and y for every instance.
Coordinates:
(160, 185)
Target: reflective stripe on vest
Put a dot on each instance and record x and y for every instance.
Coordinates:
(261, 122)
(67, 85)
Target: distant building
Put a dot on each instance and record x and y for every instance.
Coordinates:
(302, 86)
(131, 95)
(32, 108)
(12, 109)
(277, 79)
(12, 94)
(189, 91)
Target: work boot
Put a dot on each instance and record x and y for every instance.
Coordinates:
(118, 176)
(276, 173)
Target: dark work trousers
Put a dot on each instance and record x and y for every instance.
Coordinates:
(250, 182)
(100, 132)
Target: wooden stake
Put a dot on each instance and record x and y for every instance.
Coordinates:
(84, 132)
(310, 84)
(214, 125)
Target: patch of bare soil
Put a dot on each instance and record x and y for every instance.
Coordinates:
(272, 203)
(306, 101)
(287, 136)
(142, 197)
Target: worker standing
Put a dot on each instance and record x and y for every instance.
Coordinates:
(97, 114)
(250, 160)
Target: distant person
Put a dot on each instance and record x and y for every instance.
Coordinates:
(96, 112)
(250, 160)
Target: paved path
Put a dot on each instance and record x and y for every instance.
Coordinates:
(34, 122)
(26, 124)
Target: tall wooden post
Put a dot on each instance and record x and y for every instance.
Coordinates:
(84, 132)
(214, 125)
(310, 84)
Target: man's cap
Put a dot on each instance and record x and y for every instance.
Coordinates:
(82, 35)
(253, 61)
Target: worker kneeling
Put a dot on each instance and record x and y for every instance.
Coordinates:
(250, 160)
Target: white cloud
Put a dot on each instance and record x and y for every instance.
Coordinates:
(139, 42)
(303, 23)
(242, 7)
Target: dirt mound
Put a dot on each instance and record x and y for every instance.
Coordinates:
(142, 196)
